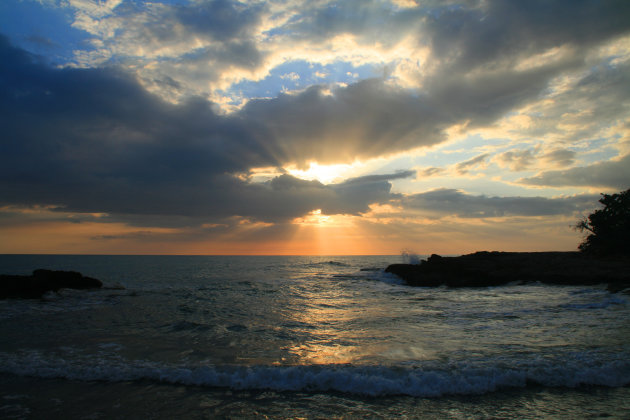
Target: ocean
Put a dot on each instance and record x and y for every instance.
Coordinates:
(305, 337)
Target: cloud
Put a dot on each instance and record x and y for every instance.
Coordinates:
(371, 117)
(371, 179)
(490, 59)
(370, 21)
(449, 202)
(475, 51)
(375, 118)
(291, 76)
(41, 41)
(141, 234)
(505, 32)
(203, 46)
(560, 157)
(460, 236)
(466, 54)
(517, 160)
(429, 172)
(523, 160)
(463, 167)
(609, 174)
(93, 140)
(286, 197)
(96, 140)
(220, 19)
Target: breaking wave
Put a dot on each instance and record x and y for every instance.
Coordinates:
(426, 381)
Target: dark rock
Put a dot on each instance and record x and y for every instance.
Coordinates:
(42, 281)
(484, 269)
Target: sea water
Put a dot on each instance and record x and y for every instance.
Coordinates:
(309, 337)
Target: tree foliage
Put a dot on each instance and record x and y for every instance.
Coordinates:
(609, 227)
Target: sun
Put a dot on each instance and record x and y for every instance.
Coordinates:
(326, 174)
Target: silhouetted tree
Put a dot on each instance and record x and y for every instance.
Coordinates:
(609, 227)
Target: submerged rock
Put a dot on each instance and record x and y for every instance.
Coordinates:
(42, 281)
(483, 269)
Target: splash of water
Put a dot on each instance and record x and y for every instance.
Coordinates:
(410, 257)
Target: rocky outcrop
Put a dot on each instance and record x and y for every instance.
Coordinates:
(483, 269)
(42, 281)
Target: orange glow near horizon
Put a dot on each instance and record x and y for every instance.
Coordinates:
(384, 231)
(325, 234)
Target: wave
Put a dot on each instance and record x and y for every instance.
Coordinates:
(384, 277)
(610, 301)
(458, 379)
(372, 274)
(331, 263)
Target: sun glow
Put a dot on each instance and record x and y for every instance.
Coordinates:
(314, 217)
(335, 234)
(326, 174)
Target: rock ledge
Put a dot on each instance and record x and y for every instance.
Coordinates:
(484, 269)
(42, 281)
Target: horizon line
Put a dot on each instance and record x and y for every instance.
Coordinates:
(207, 255)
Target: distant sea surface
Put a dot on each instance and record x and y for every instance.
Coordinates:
(310, 337)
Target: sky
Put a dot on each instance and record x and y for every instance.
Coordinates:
(309, 127)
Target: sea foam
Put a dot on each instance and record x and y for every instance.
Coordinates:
(423, 381)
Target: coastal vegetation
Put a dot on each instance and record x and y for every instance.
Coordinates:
(609, 227)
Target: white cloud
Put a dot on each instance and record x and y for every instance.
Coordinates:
(291, 76)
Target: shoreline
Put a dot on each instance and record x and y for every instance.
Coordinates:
(487, 269)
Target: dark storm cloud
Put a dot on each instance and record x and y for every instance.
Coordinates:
(483, 98)
(499, 30)
(95, 141)
(477, 51)
(476, 47)
(221, 19)
(476, 79)
(280, 199)
(463, 36)
(14, 216)
(229, 24)
(286, 197)
(609, 174)
(357, 193)
(363, 120)
(449, 202)
(103, 122)
(212, 60)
